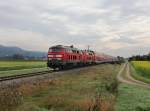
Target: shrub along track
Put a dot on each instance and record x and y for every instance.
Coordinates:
(124, 76)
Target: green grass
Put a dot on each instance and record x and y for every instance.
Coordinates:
(22, 71)
(141, 70)
(9, 68)
(133, 98)
(75, 91)
(17, 65)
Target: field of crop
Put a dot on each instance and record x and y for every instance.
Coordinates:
(89, 89)
(17, 65)
(20, 67)
(142, 70)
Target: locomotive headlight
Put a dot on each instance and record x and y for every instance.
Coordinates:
(50, 55)
(58, 55)
(49, 58)
(59, 58)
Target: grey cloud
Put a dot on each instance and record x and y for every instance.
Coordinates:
(98, 23)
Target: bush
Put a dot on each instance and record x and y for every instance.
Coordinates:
(140, 108)
(10, 98)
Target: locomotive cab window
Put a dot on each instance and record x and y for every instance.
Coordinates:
(55, 49)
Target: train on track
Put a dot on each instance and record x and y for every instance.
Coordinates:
(61, 57)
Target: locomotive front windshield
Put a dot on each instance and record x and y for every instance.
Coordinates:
(55, 49)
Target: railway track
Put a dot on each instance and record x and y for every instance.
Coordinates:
(19, 76)
(6, 78)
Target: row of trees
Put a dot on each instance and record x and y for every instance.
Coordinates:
(140, 58)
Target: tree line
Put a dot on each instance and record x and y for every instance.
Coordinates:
(140, 58)
(21, 57)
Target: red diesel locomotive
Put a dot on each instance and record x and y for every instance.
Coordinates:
(67, 56)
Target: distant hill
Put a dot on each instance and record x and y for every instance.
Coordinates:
(11, 51)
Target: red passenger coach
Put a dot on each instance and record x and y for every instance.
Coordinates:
(60, 56)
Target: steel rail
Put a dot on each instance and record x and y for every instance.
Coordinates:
(6, 78)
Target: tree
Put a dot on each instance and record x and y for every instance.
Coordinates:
(18, 56)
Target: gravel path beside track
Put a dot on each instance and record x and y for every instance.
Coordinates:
(124, 76)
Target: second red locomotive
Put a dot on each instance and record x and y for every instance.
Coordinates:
(67, 56)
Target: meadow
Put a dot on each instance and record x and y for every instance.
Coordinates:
(90, 89)
(20, 67)
(17, 65)
(133, 98)
(141, 70)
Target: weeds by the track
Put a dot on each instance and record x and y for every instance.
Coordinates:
(10, 97)
(90, 89)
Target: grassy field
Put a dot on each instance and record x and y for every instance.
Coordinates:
(89, 89)
(17, 65)
(133, 98)
(8, 68)
(142, 70)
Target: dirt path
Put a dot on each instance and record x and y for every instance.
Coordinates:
(125, 77)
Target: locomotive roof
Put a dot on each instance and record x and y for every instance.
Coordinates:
(66, 47)
(76, 49)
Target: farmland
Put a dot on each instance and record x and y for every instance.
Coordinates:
(93, 88)
(17, 65)
(87, 89)
(142, 70)
(133, 95)
(133, 98)
(20, 67)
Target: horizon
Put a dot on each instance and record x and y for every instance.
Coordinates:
(75, 47)
(111, 27)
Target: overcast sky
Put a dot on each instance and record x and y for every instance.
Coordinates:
(116, 27)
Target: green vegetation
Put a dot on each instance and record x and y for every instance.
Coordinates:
(133, 98)
(22, 71)
(141, 70)
(17, 65)
(89, 89)
(9, 68)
